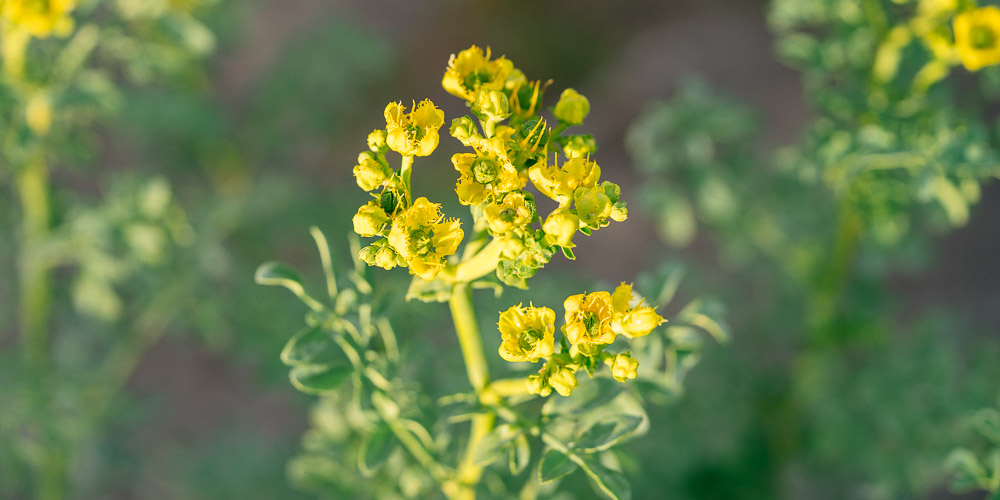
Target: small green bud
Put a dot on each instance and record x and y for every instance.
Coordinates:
(593, 206)
(493, 104)
(386, 258)
(376, 141)
(367, 254)
(612, 190)
(572, 107)
(465, 130)
(534, 135)
(579, 146)
(624, 367)
(537, 385)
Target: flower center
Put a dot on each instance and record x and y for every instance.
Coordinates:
(413, 133)
(982, 38)
(420, 242)
(508, 213)
(529, 339)
(474, 79)
(485, 170)
(592, 323)
(388, 202)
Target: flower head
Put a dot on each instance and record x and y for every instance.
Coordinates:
(487, 171)
(516, 209)
(472, 70)
(423, 238)
(572, 107)
(560, 182)
(632, 321)
(977, 37)
(527, 333)
(588, 321)
(40, 18)
(414, 132)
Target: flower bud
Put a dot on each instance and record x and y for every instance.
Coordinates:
(619, 212)
(640, 321)
(537, 385)
(367, 254)
(465, 130)
(386, 258)
(369, 173)
(493, 104)
(370, 219)
(624, 367)
(592, 205)
(572, 107)
(612, 190)
(563, 381)
(376, 141)
(534, 135)
(560, 227)
(579, 146)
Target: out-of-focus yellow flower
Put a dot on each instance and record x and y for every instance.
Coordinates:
(488, 171)
(369, 172)
(414, 132)
(40, 18)
(376, 141)
(624, 367)
(560, 182)
(527, 332)
(370, 219)
(572, 107)
(632, 321)
(472, 70)
(977, 37)
(515, 210)
(424, 238)
(588, 321)
(560, 227)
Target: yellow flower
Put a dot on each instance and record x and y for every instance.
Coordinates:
(559, 183)
(632, 321)
(413, 133)
(527, 332)
(369, 173)
(472, 70)
(977, 37)
(624, 367)
(572, 107)
(40, 18)
(488, 171)
(424, 238)
(560, 227)
(517, 209)
(370, 219)
(376, 141)
(588, 321)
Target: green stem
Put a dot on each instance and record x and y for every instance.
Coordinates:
(469, 337)
(405, 172)
(35, 289)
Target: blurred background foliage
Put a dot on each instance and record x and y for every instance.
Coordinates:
(846, 220)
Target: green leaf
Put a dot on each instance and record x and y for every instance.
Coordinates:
(987, 422)
(589, 395)
(279, 274)
(966, 469)
(317, 379)
(568, 253)
(519, 455)
(604, 435)
(492, 446)
(554, 465)
(611, 482)
(707, 316)
(375, 449)
(305, 346)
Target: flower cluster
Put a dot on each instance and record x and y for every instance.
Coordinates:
(953, 32)
(511, 145)
(412, 234)
(592, 322)
(39, 18)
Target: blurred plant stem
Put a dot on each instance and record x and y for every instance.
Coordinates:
(463, 313)
(35, 304)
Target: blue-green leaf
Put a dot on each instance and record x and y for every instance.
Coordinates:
(317, 379)
(604, 435)
(306, 346)
(611, 482)
(375, 449)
